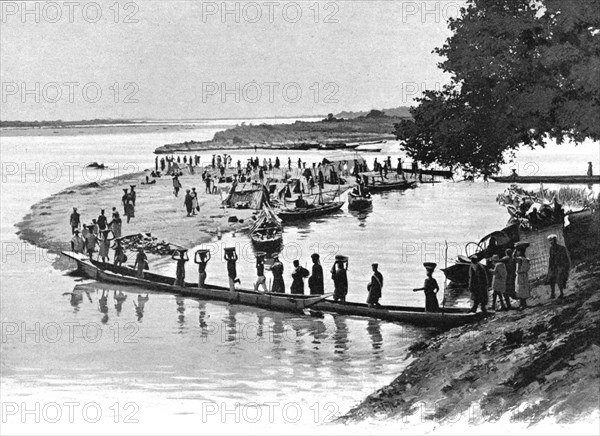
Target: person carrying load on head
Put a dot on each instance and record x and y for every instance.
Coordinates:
(431, 288)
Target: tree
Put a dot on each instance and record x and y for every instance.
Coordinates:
(521, 71)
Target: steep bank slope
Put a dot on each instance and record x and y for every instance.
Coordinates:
(528, 366)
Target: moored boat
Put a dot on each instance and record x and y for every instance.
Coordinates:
(267, 232)
(392, 183)
(310, 211)
(123, 275)
(359, 199)
(445, 318)
(582, 180)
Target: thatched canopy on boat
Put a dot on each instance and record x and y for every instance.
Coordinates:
(252, 194)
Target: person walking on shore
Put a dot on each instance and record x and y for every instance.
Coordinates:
(195, 206)
(315, 281)
(277, 271)
(124, 199)
(140, 262)
(188, 200)
(590, 171)
(478, 285)
(375, 287)
(511, 274)
(75, 221)
(298, 276)
(176, 185)
(522, 280)
(559, 265)
(90, 242)
(231, 258)
(77, 242)
(129, 209)
(102, 221)
(133, 194)
(115, 224)
(499, 274)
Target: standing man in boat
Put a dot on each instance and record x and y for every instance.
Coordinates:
(77, 242)
(559, 265)
(277, 270)
(231, 258)
(120, 257)
(181, 257)
(431, 288)
(140, 262)
(261, 280)
(478, 285)
(315, 281)
(375, 287)
(298, 276)
(340, 279)
(75, 220)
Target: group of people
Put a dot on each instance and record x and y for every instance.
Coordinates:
(510, 276)
(98, 234)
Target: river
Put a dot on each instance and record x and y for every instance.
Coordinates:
(136, 364)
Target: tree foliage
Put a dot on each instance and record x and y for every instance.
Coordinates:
(521, 71)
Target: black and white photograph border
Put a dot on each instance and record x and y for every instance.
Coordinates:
(310, 217)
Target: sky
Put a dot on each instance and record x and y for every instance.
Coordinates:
(195, 59)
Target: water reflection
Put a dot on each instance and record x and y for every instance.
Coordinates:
(140, 306)
(77, 297)
(181, 312)
(361, 216)
(119, 297)
(103, 305)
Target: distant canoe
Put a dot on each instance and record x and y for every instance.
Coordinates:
(581, 180)
(391, 186)
(446, 174)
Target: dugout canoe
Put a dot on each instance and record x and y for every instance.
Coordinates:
(581, 180)
(309, 212)
(446, 174)
(446, 318)
(124, 275)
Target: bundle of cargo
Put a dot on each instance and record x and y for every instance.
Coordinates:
(149, 243)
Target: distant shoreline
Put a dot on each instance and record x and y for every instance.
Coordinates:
(327, 134)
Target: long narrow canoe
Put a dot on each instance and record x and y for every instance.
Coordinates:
(446, 174)
(392, 186)
(445, 318)
(582, 180)
(123, 275)
(108, 273)
(309, 212)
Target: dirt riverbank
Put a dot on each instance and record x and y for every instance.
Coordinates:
(157, 211)
(519, 366)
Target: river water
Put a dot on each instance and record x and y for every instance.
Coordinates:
(133, 366)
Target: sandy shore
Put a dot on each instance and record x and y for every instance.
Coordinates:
(157, 211)
(541, 363)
